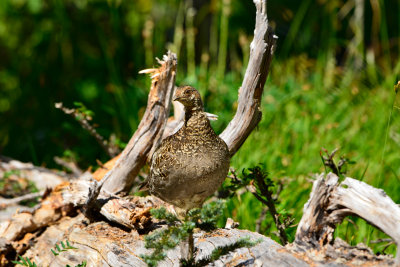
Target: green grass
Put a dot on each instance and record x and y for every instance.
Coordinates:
(301, 116)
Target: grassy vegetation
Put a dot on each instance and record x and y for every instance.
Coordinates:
(301, 116)
(331, 85)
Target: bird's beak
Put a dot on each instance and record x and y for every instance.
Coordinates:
(176, 98)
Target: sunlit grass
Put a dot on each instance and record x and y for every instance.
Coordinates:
(299, 118)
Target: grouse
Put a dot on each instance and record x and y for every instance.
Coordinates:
(191, 164)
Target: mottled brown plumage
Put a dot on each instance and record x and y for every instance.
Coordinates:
(191, 164)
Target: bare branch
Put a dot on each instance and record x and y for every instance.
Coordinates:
(4, 202)
(248, 113)
(150, 130)
(83, 120)
(69, 165)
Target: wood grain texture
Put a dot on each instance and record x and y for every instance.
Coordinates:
(248, 113)
(103, 245)
(330, 202)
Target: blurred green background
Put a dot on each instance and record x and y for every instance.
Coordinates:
(331, 84)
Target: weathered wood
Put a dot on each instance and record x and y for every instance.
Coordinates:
(132, 212)
(4, 202)
(150, 130)
(51, 209)
(103, 245)
(248, 113)
(42, 178)
(174, 123)
(330, 202)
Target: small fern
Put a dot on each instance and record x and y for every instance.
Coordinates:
(25, 262)
(63, 248)
(162, 240)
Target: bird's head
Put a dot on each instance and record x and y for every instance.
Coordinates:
(189, 97)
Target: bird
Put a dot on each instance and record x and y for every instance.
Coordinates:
(191, 164)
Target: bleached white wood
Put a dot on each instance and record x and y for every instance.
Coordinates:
(330, 202)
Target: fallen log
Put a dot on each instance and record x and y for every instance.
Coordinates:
(329, 203)
(35, 232)
(100, 244)
(42, 178)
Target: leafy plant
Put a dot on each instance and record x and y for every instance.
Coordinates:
(25, 262)
(256, 180)
(64, 247)
(220, 251)
(205, 218)
(82, 112)
(339, 168)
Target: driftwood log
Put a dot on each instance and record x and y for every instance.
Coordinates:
(329, 203)
(103, 245)
(33, 233)
(42, 178)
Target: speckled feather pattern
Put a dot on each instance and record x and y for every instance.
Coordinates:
(191, 164)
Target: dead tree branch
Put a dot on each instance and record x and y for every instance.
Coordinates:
(42, 178)
(248, 113)
(4, 202)
(71, 165)
(146, 138)
(83, 120)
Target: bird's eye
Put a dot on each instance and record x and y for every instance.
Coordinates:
(187, 92)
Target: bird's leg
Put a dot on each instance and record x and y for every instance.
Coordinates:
(191, 246)
(187, 246)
